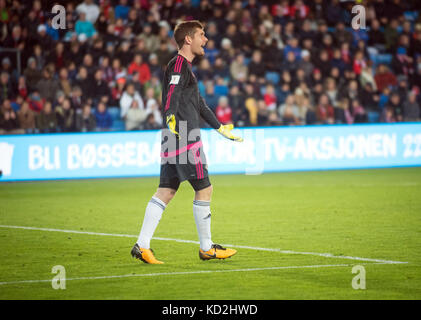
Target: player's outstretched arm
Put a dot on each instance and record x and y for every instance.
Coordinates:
(208, 115)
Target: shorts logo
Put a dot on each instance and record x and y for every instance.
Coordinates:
(175, 79)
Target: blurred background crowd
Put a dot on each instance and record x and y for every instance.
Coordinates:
(267, 63)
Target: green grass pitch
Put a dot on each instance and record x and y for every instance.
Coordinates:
(370, 214)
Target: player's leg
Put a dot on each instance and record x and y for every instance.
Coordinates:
(153, 213)
(202, 216)
(202, 213)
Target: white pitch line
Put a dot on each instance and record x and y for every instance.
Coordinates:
(183, 273)
(325, 255)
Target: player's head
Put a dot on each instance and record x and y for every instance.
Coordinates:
(191, 34)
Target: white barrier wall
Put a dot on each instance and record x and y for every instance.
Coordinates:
(135, 154)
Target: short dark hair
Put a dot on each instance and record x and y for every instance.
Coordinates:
(185, 28)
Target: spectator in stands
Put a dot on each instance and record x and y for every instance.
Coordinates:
(305, 63)
(151, 40)
(135, 116)
(223, 111)
(270, 98)
(46, 120)
(369, 98)
(164, 53)
(358, 112)
(302, 102)
(90, 9)
(384, 77)
(220, 69)
(256, 66)
(324, 110)
(32, 74)
(141, 68)
(238, 69)
(65, 116)
(395, 105)
(47, 86)
(126, 101)
(152, 105)
(151, 123)
(102, 117)
(341, 34)
(84, 26)
(290, 64)
(411, 108)
(85, 121)
(76, 98)
(402, 63)
(9, 122)
(331, 91)
(210, 96)
(204, 71)
(391, 35)
(26, 118)
(83, 82)
(98, 87)
(288, 111)
(343, 112)
(236, 102)
(122, 10)
(6, 90)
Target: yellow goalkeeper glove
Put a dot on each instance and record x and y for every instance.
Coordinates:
(171, 125)
(225, 130)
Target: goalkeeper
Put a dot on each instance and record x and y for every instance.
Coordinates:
(182, 156)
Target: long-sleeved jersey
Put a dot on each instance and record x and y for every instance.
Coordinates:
(181, 98)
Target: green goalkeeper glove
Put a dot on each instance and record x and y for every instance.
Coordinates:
(171, 125)
(225, 130)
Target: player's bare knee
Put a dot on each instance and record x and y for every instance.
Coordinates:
(204, 194)
(165, 194)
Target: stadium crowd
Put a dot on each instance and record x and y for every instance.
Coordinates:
(267, 63)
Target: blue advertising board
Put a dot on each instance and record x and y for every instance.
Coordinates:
(268, 149)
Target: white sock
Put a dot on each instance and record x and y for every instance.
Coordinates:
(202, 216)
(153, 214)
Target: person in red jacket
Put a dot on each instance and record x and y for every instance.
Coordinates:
(141, 68)
(324, 112)
(223, 111)
(384, 77)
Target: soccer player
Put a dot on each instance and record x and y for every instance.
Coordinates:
(182, 156)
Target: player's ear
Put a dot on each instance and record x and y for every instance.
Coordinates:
(188, 39)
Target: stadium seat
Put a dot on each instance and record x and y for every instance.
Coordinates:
(114, 112)
(373, 116)
(118, 125)
(384, 58)
(272, 77)
(411, 15)
(221, 90)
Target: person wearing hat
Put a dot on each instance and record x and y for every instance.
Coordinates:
(43, 39)
(402, 63)
(305, 63)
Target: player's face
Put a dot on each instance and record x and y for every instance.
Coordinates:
(199, 42)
